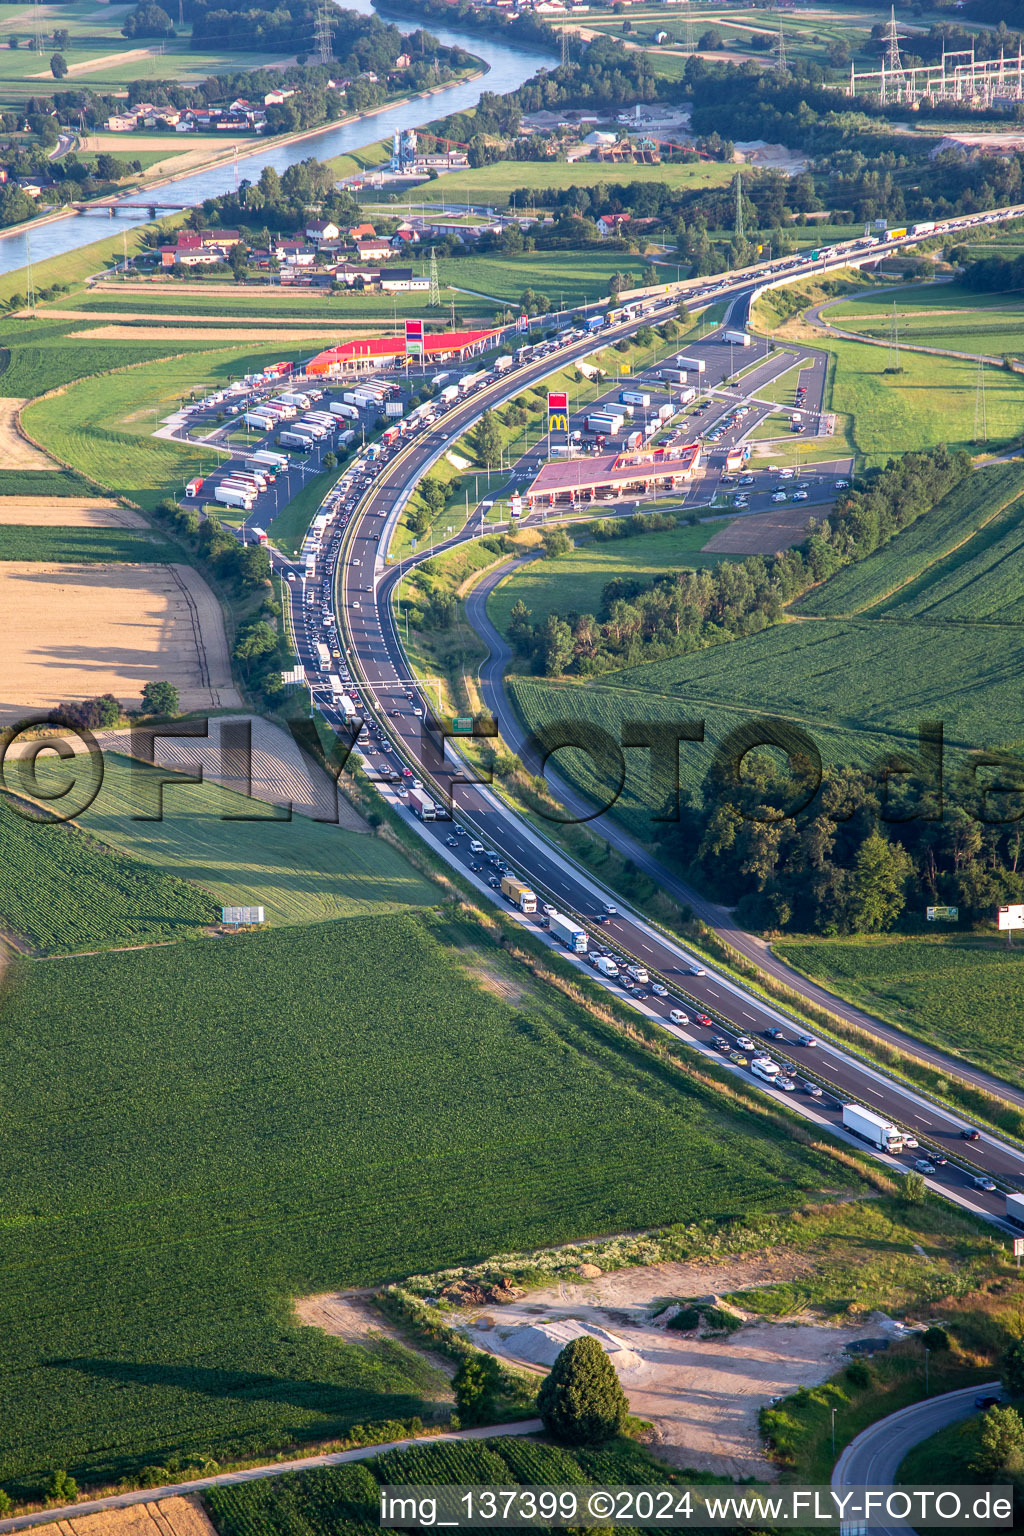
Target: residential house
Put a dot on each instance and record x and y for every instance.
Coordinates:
(121, 122)
(373, 250)
(322, 229)
(611, 224)
(402, 280)
(225, 238)
(362, 232)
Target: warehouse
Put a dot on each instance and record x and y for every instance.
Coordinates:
(607, 475)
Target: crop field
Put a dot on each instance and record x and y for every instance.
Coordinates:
(67, 512)
(573, 583)
(979, 509)
(961, 993)
(55, 483)
(302, 871)
(287, 1113)
(62, 891)
(329, 1500)
(567, 277)
(81, 545)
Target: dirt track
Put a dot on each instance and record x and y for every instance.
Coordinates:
(15, 451)
(67, 512)
(762, 533)
(324, 332)
(73, 631)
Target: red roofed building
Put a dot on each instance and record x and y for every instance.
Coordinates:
(371, 352)
(605, 476)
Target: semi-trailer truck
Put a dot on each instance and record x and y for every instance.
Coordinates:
(272, 460)
(1015, 1210)
(233, 496)
(737, 338)
(872, 1127)
(691, 364)
(194, 486)
(634, 397)
(346, 412)
(674, 375)
(421, 805)
(292, 439)
(259, 467)
(519, 894)
(609, 422)
(568, 933)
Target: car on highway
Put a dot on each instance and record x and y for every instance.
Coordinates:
(924, 1165)
(938, 1159)
(787, 1084)
(807, 1040)
(745, 1043)
(774, 1033)
(909, 1140)
(406, 773)
(987, 1400)
(548, 909)
(970, 1134)
(702, 1018)
(982, 1181)
(693, 969)
(677, 1016)
(737, 1058)
(812, 1089)
(720, 1043)
(659, 989)
(610, 909)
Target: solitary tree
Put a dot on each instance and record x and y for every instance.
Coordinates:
(489, 439)
(160, 699)
(581, 1400)
(61, 1488)
(58, 66)
(1001, 1447)
(1013, 1368)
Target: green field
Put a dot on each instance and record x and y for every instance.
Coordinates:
(346, 1499)
(82, 545)
(938, 315)
(573, 583)
(302, 871)
(267, 1116)
(961, 993)
(43, 482)
(494, 184)
(61, 890)
(288, 529)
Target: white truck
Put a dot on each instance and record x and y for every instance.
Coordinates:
(872, 1127)
(234, 496)
(422, 806)
(346, 412)
(293, 439)
(691, 364)
(638, 973)
(568, 933)
(765, 1068)
(737, 338)
(323, 654)
(449, 394)
(606, 966)
(346, 705)
(1015, 1210)
(273, 460)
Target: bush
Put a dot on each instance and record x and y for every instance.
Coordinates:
(859, 1374)
(935, 1338)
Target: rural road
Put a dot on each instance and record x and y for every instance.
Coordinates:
(720, 919)
(875, 1455)
(250, 1474)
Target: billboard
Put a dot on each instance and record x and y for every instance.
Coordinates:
(1010, 917)
(558, 410)
(523, 323)
(942, 914)
(517, 504)
(414, 338)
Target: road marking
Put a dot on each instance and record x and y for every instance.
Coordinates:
(747, 1015)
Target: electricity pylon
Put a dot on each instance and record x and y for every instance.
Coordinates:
(434, 299)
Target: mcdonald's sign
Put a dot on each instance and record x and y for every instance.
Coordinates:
(558, 411)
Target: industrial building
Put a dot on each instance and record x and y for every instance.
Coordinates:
(373, 351)
(603, 476)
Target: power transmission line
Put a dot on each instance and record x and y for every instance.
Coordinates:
(566, 52)
(38, 27)
(688, 38)
(781, 66)
(30, 287)
(738, 189)
(322, 34)
(434, 298)
(893, 365)
(980, 417)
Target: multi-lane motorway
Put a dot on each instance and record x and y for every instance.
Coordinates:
(716, 1008)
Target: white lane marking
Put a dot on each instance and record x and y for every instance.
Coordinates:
(747, 1015)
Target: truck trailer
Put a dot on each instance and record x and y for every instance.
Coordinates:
(293, 439)
(765, 1068)
(233, 496)
(323, 654)
(872, 1127)
(346, 412)
(1015, 1210)
(519, 894)
(422, 806)
(691, 364)
(568, 933)
(674, 375)
(608, 422)
(634, 397)
(272, 460)
(737, 338)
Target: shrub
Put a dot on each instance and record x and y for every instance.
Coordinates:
(581, 1400)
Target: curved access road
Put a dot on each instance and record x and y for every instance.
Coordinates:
(720, 919)
(875, 1455)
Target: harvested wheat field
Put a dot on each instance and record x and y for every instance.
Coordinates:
(75, 631)
(66, 512)
(762, 533)
(106, 61)
(16, 452)
(176, 1516)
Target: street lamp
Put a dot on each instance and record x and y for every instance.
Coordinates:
(833, 1434)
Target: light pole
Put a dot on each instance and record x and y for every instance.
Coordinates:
(926, 1353)
(833, 1434)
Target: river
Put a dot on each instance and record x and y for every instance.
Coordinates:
(508, 68)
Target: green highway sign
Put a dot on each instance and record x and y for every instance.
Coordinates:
(462, 725)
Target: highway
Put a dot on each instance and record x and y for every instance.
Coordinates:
(716, 1008)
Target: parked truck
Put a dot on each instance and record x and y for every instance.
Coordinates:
(872, 1127)
(272, 460)
(634, 397)
(234, 496)
(608, 422)
(674, 375)
(691, 364)
(737, 338)
(568, 933)
(1015, 1210)
(519, 894)
(293, 439)
(194, 486)
(422, 806)
(346, 412)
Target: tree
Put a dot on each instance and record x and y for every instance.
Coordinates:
(557, 646)
(254, 566)
(109, 167)
(147, 20)
(257, 640)
(433, 492)
(160, 699)
(238, 261)
(62, 38)
(489, 441)
(1012, 1367)
(58, 66)
(581, 1400)
(1001, 1444)
(913, 1189)
(330, 460)
(61, 1488)
(935, 1338)
(556, 542)
(477, 1383)
(881, 871)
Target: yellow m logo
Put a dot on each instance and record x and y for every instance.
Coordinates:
(558, 423)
